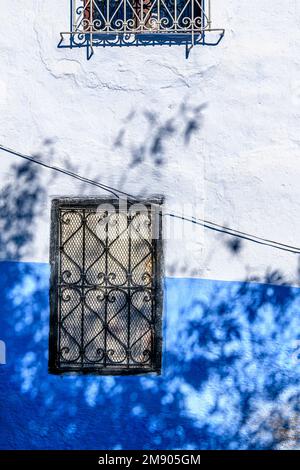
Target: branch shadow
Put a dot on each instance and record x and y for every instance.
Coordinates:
(229, 377)
(230, 361)
(20, 205)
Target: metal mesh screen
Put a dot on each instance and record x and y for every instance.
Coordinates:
(141, 16)
(105, 312)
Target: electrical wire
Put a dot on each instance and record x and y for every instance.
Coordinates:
(198, 221)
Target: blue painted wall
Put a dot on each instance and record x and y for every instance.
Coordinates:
(230, 375)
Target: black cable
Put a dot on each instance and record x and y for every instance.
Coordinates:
(236, 233)
(66, 172)
(198, 221)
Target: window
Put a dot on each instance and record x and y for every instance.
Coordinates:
(142, 16)
(132, 22)
(106, 286)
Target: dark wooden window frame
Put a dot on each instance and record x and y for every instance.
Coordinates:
(72, 202)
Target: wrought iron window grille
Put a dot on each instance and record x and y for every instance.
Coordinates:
(106, 287)
(133, 22)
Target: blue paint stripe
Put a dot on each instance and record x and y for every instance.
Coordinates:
(229, 369)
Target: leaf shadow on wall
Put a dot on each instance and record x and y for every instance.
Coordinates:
(229, 376)
(20, 205)
(153, 149)
(230, 367)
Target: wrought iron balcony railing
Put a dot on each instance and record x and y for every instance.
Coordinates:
(93, 19)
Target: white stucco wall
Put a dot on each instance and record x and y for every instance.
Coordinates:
(240, 167)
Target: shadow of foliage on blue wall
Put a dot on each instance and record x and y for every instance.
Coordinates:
(230, 373)
(230, 361)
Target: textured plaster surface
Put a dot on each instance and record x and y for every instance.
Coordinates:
(218, 135)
